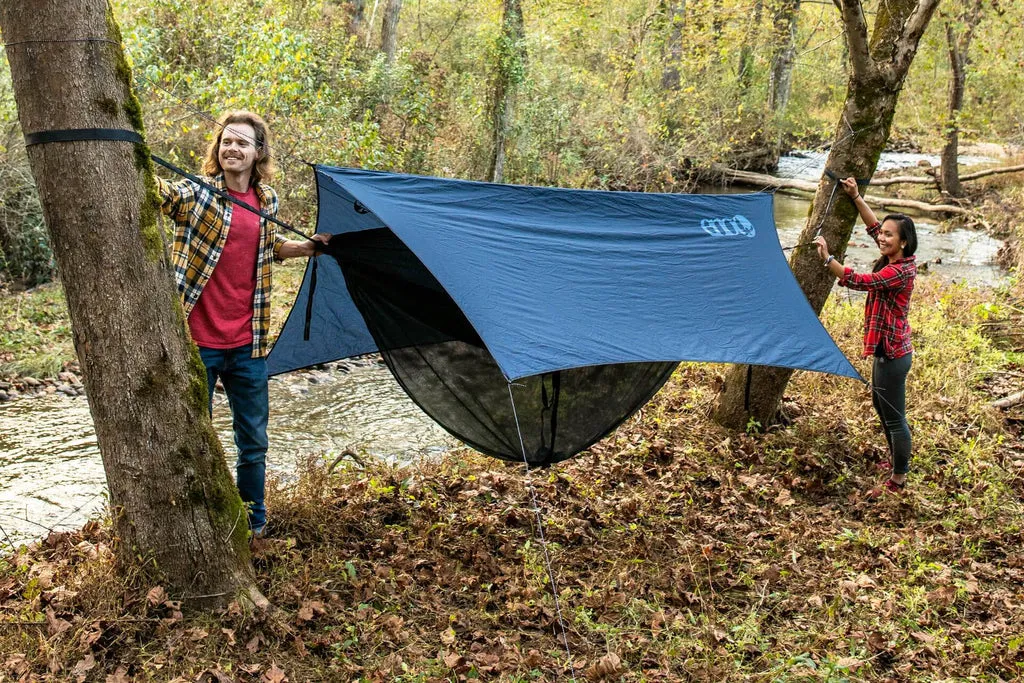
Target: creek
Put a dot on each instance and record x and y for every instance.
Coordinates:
(51, 474)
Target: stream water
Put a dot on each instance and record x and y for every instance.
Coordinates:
(51, 475)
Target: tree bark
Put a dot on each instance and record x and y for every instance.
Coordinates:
(780, 78)
(878, 69)
(509, 74)
(355, 24)
(676, 12)
(176, 510)
(389, 30)
(958, 43)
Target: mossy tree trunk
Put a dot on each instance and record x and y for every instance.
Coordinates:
(509, 74)
(176, 509)
(878, 68)
(959, 33)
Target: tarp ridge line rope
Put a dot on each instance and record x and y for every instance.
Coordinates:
(541, 536)
(227, 196)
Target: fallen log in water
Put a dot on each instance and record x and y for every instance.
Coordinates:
(931, 180)
(764, 182)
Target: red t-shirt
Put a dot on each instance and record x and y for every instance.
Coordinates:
(222, 318)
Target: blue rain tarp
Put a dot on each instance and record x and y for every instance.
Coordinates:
(555, 278)
(530, 322)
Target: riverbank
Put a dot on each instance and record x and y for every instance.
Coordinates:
(680, 552)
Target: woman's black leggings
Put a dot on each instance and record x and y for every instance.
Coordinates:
(889, 395)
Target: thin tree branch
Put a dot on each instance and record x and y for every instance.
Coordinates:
(856, 28)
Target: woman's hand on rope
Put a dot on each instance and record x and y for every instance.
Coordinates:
(850, 187)
(822, 246)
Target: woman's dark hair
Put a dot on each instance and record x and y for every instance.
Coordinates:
(907, 233)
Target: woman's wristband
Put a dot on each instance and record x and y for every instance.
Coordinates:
(829, 260)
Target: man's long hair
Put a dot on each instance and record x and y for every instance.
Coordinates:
(263, 169)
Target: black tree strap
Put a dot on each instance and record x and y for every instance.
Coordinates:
(82, 135)
(833, 176)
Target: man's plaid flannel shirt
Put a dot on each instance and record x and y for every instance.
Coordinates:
(885, 312)
(201, 223)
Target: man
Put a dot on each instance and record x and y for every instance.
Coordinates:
(221, 259)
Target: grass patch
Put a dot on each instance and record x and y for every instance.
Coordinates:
(35, 332)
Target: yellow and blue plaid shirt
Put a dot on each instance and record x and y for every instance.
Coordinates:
(201, 224)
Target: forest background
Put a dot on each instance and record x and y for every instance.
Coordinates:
(635, 95)
(681, 551)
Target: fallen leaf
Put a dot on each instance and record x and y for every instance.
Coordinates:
(274, 675)
(156, 595)
(607, 666)
(448, 636)
(83, 667)
(785, 498)
(119, 676)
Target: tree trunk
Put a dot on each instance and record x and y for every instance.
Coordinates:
(676, 12)
(745, 68)
(949, 175)
(510, 71)
(175, 507)
(949, 172)
(355, 24)
(780, 78)
(389, 30)
(878, 70)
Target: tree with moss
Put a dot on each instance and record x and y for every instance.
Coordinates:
(509, 74)
(176, 511)
(879, 63)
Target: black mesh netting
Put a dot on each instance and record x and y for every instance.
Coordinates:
(440, 361)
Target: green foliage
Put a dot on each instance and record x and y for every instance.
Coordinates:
(25, 253)
(641, 94)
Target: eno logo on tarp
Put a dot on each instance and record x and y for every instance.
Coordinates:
(737, 226)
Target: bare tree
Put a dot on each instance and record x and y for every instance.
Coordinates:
(389, 30)
(175, 505)
(959, 32)
(878, 69)
(508, 75)
(780, 78)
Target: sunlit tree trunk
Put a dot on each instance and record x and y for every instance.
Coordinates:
(780, 78)
(509, 74)
(958, 40)
(176, 508)
(389, 30)
(878, 68)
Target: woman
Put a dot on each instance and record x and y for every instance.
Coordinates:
(886, 330)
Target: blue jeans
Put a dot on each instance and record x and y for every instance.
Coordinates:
(245, 382)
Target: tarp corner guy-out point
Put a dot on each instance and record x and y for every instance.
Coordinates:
(586, 299)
